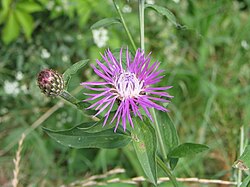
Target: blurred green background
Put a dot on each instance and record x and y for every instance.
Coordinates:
(207, 62)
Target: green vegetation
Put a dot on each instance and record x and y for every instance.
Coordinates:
(205, 55)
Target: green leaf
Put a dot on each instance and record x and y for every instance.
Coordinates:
(6, 4)
(26, 21)
(73, 69)
(243, 163)
(98, 126)
(11, 29)
(187, 149)
(3, 15)
(246, 182)
(105, 22)
(173, 162)
(84, 16)
(165, 12)
(144, 141)
(4, 11)
(82, 105)
(167, 136)
(29, 7)
(79, 137)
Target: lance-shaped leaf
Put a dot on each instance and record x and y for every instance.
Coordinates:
(187, 149)
(26, 21)
(105, 22)
(243, 163)
(11, 29)
(165, 12)
(29, 7)
(79, 137)
(72, 70)
(144, 141)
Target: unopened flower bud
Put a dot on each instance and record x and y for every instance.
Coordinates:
(50, 82)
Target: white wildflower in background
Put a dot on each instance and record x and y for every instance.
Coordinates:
(126, 9)
(45, 53)
(65, 4)
(151, 2)
(79, 36)
(244, 44)
(176, 1)
(3, 111)
(19, 75)
(58, 9)
(50, 5)
(11, 88)
(100, 37)
(65, 58)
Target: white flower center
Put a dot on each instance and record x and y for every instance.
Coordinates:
(127, 85)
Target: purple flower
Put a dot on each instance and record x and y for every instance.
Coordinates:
(129, 83)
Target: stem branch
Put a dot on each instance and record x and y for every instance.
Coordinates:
(239, 177)
(158, 133)
(159, 136)
(68, 97)
(167, 171)
(125, 25)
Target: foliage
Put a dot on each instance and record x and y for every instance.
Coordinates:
(16, 15)
(206, 61)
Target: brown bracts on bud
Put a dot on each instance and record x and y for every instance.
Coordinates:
(50, 82)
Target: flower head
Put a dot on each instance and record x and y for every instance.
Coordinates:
(50, 82)
(130, 83)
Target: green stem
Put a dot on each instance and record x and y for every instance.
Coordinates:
(167, 171)
(158, 132)
(68, 97)
(239, 177)
(141, 20)
(125, 26)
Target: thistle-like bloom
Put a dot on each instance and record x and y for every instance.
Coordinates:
(130, 83)
(50, 82)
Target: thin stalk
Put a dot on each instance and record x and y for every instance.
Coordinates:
(68, 97)
(239, 177)
(167, 171)
(125, 25)
(141, 20)
(158, 134)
